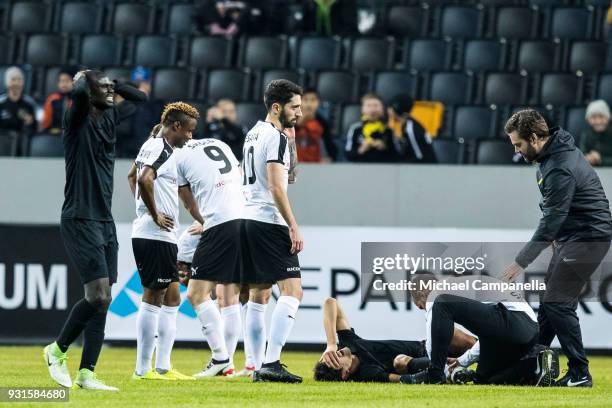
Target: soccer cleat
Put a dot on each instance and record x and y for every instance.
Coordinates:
(579, 381)
(151, 375)
(422, 377)
(547, 368)
(275, 372)
(88, 380)
(462, 375)
(56, 363)
(213, 368)
(176, 376)
(228, 371)
(245, 372)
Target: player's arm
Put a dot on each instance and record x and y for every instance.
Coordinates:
(190, 203)
(130, 93)
(146, 182)
(293, 157)
(80, 97)
(334, 319)
(132, 178)
(276, 173)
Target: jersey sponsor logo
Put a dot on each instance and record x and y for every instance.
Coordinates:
(293, 269)
(161, 280)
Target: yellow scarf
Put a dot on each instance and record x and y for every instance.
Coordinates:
(370, 128)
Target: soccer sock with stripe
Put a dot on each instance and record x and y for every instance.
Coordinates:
(148, 320)
(249, 360)
(255, 333)
(283, 319)
(166, 333)
(232, 326)
(77, 320)
(212, 327)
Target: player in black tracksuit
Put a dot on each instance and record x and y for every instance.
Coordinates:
(575, 220)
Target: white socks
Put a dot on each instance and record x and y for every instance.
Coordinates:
(249, 360)
(232, 327)
(145, 341)
(212, 327)
(283, 319)
(255, 332)
(166, 333)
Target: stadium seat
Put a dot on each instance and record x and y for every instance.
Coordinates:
(350, 113)
(571, 23)
(100, 50)
(461, 22)
(588, 56)
(495, 152)
(263, 52)
(155, 50)
(450, 88)
(368, 54)
(473, 122)
(448, 151)
(80, 17)
(132, 18)
(388, 84)
(227, 83)
(210, 52)
(264, 78)
(119, 73)
(6, 50)
(171, 84)
(8, 142)
(597, 3)
(559, 89)
(48, 81)
(575, 121)
(45, 49)
(428, 55)
(317, 53)
(515, 22)
(337, 86)
(408, 21)
(30, 16)
(248, 113)
(483, 55)
(505, 89)
(202, 107)
(46, 146)
(179, 18)
(604, 88)
(539, 56)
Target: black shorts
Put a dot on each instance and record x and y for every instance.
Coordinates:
(217, 257)
(156, 262)
(92, 247)
(266, 253)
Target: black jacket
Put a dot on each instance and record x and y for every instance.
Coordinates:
(574, 205)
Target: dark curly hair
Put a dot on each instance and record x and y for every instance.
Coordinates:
(324, 373)
(280, 91)
(527, 122)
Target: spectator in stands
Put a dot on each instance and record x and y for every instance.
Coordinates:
(139, 118)
(370, 139)
(221, 124)
(221, 17)
(312, 130)
(411, 141)
(596, 142)
(57, 103)
(17, 111)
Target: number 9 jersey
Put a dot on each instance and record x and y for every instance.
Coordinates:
(212, 171)
(263, 144)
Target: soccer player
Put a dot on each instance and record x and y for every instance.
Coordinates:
(153, 182)
(271, 234)
(87, 226)
(358, 359)
(507, 333)
(575, 219)
(210, 187)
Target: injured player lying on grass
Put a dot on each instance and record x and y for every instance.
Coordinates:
(358, 359)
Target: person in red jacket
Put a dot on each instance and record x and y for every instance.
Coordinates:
(57, 103)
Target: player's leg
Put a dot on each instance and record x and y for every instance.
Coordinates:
(146, 327)
(229, 305)
(255, 328)
(249, 359)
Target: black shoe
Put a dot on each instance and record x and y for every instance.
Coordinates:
(547, 369)
(462, 375)
(570, 380)
(275, 372)
(422, 377)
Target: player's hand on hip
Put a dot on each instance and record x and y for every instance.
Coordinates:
(512, 272)
(297, 242)
(164, 221)
(195, 229)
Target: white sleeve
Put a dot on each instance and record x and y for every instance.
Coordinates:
(154, 153)
(471, 356)
(187, 245)
(180, 170)
(275, 147)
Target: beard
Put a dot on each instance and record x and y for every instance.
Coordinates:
(285, 123)
(530, 155)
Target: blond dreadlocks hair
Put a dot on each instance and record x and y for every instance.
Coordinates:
(175, 111)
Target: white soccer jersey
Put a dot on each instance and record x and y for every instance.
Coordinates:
(263, 144)
(159, 155)
(210, 168)
(187, 245)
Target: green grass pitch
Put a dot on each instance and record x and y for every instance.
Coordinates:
(24, 367)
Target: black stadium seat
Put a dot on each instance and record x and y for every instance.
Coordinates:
(388, 84)
(350, 114)
(49, 82)
(428, 55)
(295, 76)
(571, 23)
(30, 16)
(588, 56)
(539, 56)
(155, 50)
(46, 146)
(405, 21)
(132, 18)
(495, 152)
(317, 53)
(263, 52)
(119, 73)
(171, 84)
(371, 53)
(81, 17)
(473, 122)
(448, 151)
(483, 55)
(337, 86)
(45, 49)
(6, 49)
(505, 89)
(210, 52)
(515, 22)
(559, 89)
(604, 88)
(180, 18)
(575, 121)
(100, 50)
(227, 83)
(450, 88)
(461, 22)
(248, 113)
